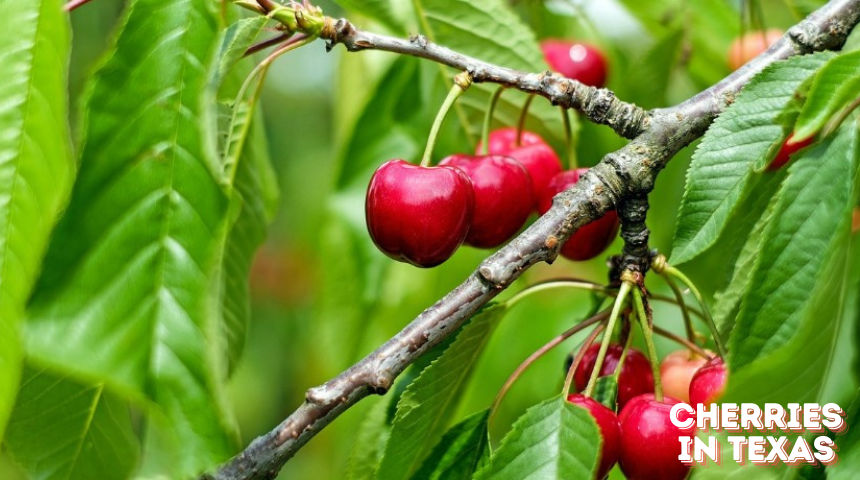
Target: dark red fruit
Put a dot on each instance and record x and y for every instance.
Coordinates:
(635, 379)
(607, 422)
(649, 440)
(533, 153)
(503, 197)
(788, 149)
(578, 61)
(708, 383)
(419, 215)
(590, 240)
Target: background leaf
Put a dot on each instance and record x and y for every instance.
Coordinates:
(135, 256)
(36, 165)
(834, 88)
(552, 440)
(459, 453)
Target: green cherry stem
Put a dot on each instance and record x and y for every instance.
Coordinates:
(599, 317)
(568, 379)
(488, 118)
(649, 343)
(461, 83)
(610, 327)
(688, 322)
(521, 123)
(617, 373)
(568, 139)
(559, 283)
(708, 318)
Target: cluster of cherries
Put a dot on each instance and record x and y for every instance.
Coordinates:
(643, 420)
(422, 214)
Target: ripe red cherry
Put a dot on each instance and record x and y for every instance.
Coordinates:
(419, 215)
(788, 148)
(590, 240)
(503, 197)
(533, 153)
(708, 383)
(676, 372)
(607, 422)
(751, 45)
(578, 61)
(635, 379)
(649, 440)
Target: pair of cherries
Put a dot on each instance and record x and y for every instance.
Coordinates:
(642, 438)
(421, 215)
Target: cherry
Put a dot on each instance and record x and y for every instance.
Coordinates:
(750, 45)
(676, 372)
(649, 440)
(708, 383)
(789, 147)
(635, 378)
(503, 197)
(578, 61)
(607, 422)
(533, 153)
(593, 238)
(419, 215)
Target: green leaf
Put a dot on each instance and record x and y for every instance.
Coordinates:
(849, 446)
(427, 405)
(835, 87)
(723, 165)
(653, 71)
(606, 392)
(63, 429)
(552, 440)
(460, 452)
(370, 441)
(36, 165)
(136, 256)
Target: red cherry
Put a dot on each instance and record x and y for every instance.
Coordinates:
(649, 440)
(503, 197)
(635, 379)
(676, 372)
(788, 149)
(419, 215)
(533, 153)
(750, 45)
(708, 383)
(607, 422)
(590, 240)
(578, 61)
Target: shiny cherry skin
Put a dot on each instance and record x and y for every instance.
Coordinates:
(503, 197)
(533, 153)
(708, 383)
(607, 422)
(419, 215)
(649, 440)
(750, 45)
(635, 379)
(578, 61)
(677, 370)
(789, 148)
(590, 240)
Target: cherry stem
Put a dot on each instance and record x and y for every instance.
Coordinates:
(73, 4)
(683, 341)
(268, 43)
(709, 320)
(679, 296)
(836, 121)
(663, 298)
(558, 283)
(488, 118)
(599, 317)
(649, 343)
(521, 123)
(568, 379)
(568, 138)
(461, 83)
(610, 327)
(617, 373)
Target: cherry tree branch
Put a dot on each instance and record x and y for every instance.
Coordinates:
(621, 180)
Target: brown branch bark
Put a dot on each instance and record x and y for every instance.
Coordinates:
(623, 179)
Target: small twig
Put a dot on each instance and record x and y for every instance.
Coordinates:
(74, 4)
(268, 43)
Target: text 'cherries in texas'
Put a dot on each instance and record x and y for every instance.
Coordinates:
(503, 197)
(590, 240)
(607, 423)
(532, 152)
(419, 215)
(578, 61)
